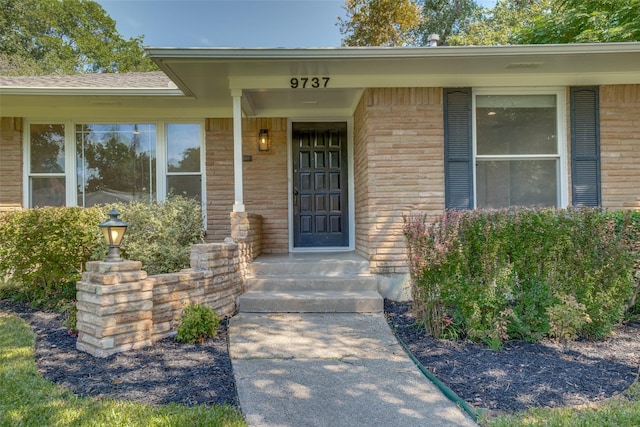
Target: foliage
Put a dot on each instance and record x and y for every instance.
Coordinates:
(29, 400)
(445, 18)
(583, 21)
(199, 322)
(43, 251)
(64, 37)
(566, 318)
(499, 271)
(502, 24)
(160, 234)
(379, 22)
(620, 411)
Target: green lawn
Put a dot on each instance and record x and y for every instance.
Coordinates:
(621, 411)
(26, 399)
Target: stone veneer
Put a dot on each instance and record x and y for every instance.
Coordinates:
(120, 308)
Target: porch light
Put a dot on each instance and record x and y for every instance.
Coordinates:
(113, 229)
(263, 140)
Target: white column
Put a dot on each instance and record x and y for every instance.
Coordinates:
(238, 205)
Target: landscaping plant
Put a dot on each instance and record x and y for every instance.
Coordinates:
(508, 274)
(199, 322)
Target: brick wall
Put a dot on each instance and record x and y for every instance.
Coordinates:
(620, 146)
(264, 179)
(399, 134)
(10, 163)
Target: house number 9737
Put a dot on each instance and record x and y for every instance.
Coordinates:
(309, 82)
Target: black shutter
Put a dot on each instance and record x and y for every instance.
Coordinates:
(458, 155)
(585, 147)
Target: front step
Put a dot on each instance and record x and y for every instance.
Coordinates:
(310, 283)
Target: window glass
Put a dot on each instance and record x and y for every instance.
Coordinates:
(115, 162)
(517, 155)
(183, 160)
(516, 124)
(47, 148)
(47, 191)
(183, 147)
(501, 184)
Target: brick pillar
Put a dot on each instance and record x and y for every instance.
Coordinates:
(115, 304)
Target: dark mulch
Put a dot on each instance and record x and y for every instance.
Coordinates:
(167, 372)
(525, 374)
(520, 376)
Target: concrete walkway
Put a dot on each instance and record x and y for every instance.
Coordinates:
(331, 370)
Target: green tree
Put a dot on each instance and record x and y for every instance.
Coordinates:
(502, 24)
(584, 21)
(64, 37)
(380, 23)
(445, 18)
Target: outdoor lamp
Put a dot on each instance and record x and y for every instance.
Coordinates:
(113, 229)
(263, 140)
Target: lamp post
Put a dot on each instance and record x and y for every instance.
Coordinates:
(113, 229)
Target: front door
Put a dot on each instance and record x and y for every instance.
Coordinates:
(320, 185)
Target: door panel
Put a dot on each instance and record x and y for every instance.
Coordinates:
(319, 184)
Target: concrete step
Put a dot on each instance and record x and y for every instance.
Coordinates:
(310, 282)
(310, 302)
(330, 265)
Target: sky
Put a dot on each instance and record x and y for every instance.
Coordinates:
(230, 23)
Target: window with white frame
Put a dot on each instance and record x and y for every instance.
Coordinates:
(87, 164)
(518, 150)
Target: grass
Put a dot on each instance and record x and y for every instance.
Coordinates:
(27, 399)
(621, 411)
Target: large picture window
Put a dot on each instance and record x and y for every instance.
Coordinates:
(85, 164)
(517, 150)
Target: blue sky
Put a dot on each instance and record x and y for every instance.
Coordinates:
(230, 23)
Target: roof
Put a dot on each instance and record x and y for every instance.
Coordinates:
(201, 82)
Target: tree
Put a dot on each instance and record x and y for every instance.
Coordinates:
(502, 24)
(580, 21)
(380, 23)
(445, 18)
(64, 37)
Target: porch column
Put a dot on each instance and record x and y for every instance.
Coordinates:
(238, 205)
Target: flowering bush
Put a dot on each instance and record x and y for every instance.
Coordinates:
(498, 271)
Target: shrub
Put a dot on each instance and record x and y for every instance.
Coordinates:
(198, 323)
(160, 234)
(566, 318)
(498, 271)
(43, 251)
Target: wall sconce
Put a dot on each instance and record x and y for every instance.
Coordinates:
(113, 229)
(263, 140)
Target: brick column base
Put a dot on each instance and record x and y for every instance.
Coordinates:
(115, 305)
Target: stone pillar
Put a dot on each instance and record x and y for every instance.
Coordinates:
(115, 304)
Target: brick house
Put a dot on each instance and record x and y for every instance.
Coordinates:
(331, 147)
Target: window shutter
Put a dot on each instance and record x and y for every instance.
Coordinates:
(585, 147)
(458, 155)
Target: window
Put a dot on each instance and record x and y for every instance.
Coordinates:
(517, 155)
(506, 147)
(47, 165)
(85, 164)
(183, 160)
(115, 163)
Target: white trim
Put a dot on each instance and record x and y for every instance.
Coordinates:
(238, 205)
(562, 198)
(350, 184)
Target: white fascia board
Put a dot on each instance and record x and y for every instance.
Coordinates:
(66, 91)
(161, 53)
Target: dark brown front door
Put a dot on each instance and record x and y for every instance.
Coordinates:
(319, 185)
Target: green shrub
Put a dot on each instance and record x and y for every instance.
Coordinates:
(566, 318)
(498, 271)
(43, 251)
(160, 234)
(199, 322)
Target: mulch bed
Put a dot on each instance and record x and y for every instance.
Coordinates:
(524, 375)
(520, 376)
(167, 372)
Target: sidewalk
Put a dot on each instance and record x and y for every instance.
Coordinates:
(331, 370)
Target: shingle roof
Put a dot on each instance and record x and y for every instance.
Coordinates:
(149, 80)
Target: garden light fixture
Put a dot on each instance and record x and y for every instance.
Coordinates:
(113, 229)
